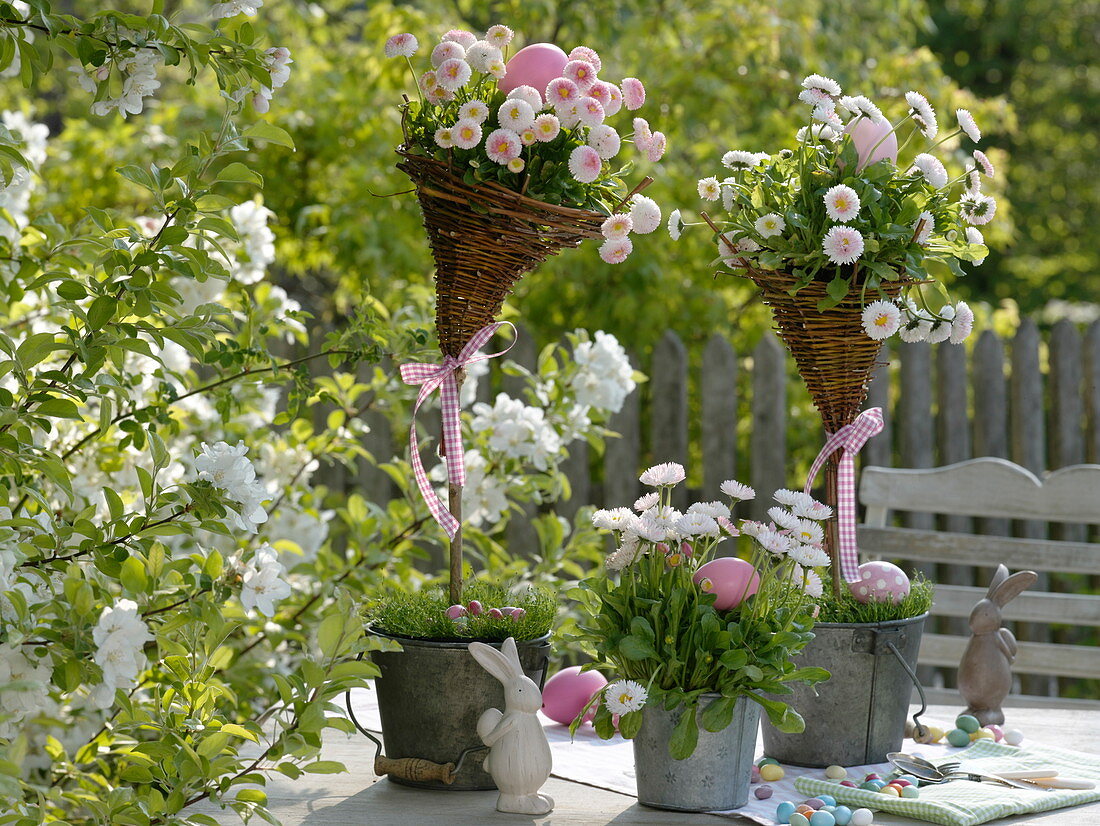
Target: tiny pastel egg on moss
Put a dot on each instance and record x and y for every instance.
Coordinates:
(862, 817)
(730, 579)
(843, 815)
(815, 803)
(958, 737)
(771, 772)
(822, 819)
(836, 772)
(475, 608)
(1014, 736)
(806, 809)
(799, 819)
(496, 613)
(910, 792)
(568, 691)
(827, 808)
(880, 582)
(998, 732)
(763, 792)
(784, 811)
(456, 611)
(827, 799)
(967, 722)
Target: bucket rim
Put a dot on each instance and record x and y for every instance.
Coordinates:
(419, 642)
(883, 624)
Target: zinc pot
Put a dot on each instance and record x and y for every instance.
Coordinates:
(858, 715)
(714, 778)
(430, 696)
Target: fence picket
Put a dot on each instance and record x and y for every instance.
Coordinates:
(879, 451)
(668, 403)
(990, 422)
(953, 440)
(769, 423)
(622, 456)
(1067, 410)
(719, 412)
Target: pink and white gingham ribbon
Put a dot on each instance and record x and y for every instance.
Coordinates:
(431, 377)
(850, 439)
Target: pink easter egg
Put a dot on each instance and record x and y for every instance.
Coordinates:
(998, 732)
(866, 135)
(731, 580)
(880, 582)
(568, 691)
(535, 65)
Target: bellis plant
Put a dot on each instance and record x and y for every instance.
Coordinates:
(538, 124)
(676, 621)
(840, 208)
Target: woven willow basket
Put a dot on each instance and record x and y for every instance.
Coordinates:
(484, 238)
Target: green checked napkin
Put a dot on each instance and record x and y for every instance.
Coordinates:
(964, 803)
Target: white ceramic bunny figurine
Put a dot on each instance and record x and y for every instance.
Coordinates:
(985, 673)
(519, 756)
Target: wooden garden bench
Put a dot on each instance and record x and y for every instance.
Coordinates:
(993, 488)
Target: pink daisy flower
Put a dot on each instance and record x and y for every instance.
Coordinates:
(503, 145)
(881, 319)
(462, 37)
(528, 136)
(498, 69)
(475, 110)
(466, 134)
(842, 203)
(581, 72)
(633, 93)
(843, 245)
(605, 140)
(500, 36)
(443, 137)
(453, 74)
(447, 50)
(546, 128)
(568, 116)
(617, 226)
(516, 165)
(437, 95)
(585, 164)
(602, 92)
(984, 163)
(590, 111)
(561, 92)
(401, 45)
(588, 55)
(428, 82)
(967, 124)
(642, 135)
(616, 251)
(615, 99)
(516, 114)
(529, 95)
(657, 145)
(962, 324)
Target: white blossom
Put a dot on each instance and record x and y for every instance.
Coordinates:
(604, 376)
(257, 241)
(120, 636)
(232, 8)
(28, 700)
(263, 582)
(517, 430)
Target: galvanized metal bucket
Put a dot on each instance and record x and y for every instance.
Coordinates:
(430, 696)
(714, 778)
(858, 715)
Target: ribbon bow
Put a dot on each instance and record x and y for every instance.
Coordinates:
(850, 439)
(431, 377)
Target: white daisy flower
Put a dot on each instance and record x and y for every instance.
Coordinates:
(931, 168)
(842, 203)
(649, 529)
(790, 498)
(500, 36)
(783, 518)
(649, 500)
(739, 158)
(617, 519)
(984, 163)
(481, 55)
(814, 97)
(516, 114)
(711, 509)
(666, 473)
(922, 229)
(941, 327)
(737, 490)
(622, 557)
(963, 323)
(624, 696)
(473, 110)
(923, 114)
(400, 45)
(752, 528)
(529, 94)
(828, 116)
(466, 134)
(974, 236)
(808, 532)
(915, 328)
(842, 244)
(646, 214)
(770, 224)
(881, 319)
(443, 137)
(809, 556)
(812, 509)
(977, 208)
(863, 106)
(775, 542)
(808, 581)
(675, 225)
(697, 524)
(617, 226)
(605, 140)
(825, 84)
(967, 124)
(709, 189)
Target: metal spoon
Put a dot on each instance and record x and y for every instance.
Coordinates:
(931, 773)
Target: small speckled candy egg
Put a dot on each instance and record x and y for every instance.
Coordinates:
(822, 819)
(784, 811)
(814, 803)
(937, 733)
(799, 819)
(836, 772)
(958, 737)
(755, 775)
(872, 776)
(880, 582)
(862, 817)
(890, 791)
(763, 792)
(771, 772)
(827, 799)
(998, 732)
(843, 815)
(848, 783)
(871, 785)
(1014, 736)
(968, 723)
(730, 579)
(910, 792)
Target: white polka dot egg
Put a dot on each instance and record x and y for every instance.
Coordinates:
(880, 582)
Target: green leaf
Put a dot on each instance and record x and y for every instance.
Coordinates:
(132, 575)
(629, 724)
(213, 744)
(252, 796)
(719, 714)
(101, 311)
(264, 131)
(780, 715)
(71, 290)
(685, 736)
(35, 348)
(636, 648)
(330, 634)
(325, 767)
(58, 409)
(237, 172)
(734, 659)
(240, 731)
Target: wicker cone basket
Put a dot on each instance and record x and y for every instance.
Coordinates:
(484, 238)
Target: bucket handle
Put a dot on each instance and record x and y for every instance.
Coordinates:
(919, 729)
(415, 769)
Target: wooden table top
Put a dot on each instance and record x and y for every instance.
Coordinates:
(356, 798)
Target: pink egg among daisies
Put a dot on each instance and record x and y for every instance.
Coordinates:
(535, 65)
(568, 691)
(873, 141)
(731, 580)
(880, 582)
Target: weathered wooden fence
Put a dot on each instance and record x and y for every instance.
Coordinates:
(746, 416)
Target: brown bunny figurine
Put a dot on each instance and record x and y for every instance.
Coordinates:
(985, 673)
